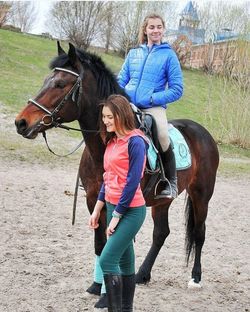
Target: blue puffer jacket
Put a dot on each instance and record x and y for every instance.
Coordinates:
(152, 78)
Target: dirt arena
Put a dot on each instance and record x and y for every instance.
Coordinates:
(46, 264)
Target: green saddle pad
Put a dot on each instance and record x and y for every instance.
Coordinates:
(180, 148)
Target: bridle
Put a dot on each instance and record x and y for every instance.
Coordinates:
(50, 119)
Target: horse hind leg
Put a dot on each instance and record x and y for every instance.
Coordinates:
(160, 233)
(196, 213)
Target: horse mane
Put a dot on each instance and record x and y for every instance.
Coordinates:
(106, 80)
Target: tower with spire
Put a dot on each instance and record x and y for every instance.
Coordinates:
(189, 23)
(188, 27)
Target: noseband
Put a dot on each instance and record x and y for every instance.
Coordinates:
(50, 117)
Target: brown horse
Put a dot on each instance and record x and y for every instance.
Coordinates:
(78, 82)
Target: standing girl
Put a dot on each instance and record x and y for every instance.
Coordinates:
(124, 163)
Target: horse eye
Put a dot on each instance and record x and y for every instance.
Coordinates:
(60, 84)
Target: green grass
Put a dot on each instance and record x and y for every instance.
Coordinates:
(232, 168)
(234, 161)
(24, 65)
(15, 148)
(114, 62)
(201, 91)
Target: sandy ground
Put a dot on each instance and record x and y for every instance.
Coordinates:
(46, 264)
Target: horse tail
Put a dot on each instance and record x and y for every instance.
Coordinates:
(189, 240)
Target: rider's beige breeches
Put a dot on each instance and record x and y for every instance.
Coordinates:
(159, 114)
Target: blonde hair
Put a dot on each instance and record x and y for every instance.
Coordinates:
(142, 36)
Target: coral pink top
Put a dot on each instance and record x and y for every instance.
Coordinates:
(124, 164)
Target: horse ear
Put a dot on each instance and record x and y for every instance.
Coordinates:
(74, 60)
(60, 49)
(72, 53)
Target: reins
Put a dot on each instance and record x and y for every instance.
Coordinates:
(75, 129)
(67, 128)
(58, 155)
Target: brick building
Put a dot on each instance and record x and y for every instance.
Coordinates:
(226, 53)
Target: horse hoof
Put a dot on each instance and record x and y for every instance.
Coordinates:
(95, 289)
(193, 285)
(141, 278)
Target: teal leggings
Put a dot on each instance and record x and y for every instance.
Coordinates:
(118, 255)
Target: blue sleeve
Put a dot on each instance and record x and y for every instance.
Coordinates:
(137, 152)
(124, 74)
(101, 195)
(174, 83)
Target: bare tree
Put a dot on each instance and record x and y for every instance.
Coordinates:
(4, 12)
(78, 21)
(128, 28)
(23, 15)
(111, 15)
(226, 19)
(216, 16)
(128, 18)
(109, 23)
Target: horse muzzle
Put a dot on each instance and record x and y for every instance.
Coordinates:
(27, 132)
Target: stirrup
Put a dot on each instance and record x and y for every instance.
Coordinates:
(172, 194)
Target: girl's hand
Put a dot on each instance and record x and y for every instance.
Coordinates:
(112, 225)
(93, 220)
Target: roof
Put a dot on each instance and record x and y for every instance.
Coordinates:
(190, 11)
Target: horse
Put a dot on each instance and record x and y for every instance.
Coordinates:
(79, 81)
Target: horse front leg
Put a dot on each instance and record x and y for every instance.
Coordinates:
(100, 237)
(99, 242)
(160, 233)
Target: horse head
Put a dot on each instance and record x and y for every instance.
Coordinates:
(59, 98)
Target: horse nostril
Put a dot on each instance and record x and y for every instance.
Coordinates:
(21, 125)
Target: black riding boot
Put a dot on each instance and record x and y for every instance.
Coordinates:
(102, 302)
(113, 285)
(128, 291)
(171, 189)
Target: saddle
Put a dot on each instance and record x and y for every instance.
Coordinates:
(154, 166)
(146, 123)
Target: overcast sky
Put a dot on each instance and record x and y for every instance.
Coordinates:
(45, 5)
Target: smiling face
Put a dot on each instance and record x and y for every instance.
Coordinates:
(108, 119)
(154, 31)
(117, 117)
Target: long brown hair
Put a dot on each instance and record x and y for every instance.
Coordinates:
(124, 119)
(142, 36)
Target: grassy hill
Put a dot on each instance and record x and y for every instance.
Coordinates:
(24, 63)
